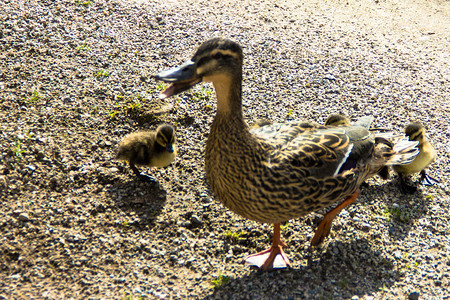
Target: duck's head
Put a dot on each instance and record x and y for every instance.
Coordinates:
(337, 120)
(216, 60)
(416, 132)
(165, 137)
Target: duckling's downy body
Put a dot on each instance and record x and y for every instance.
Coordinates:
(337, 120)
(261, 123)
(280, 171)
(148, 148)
(416, 132)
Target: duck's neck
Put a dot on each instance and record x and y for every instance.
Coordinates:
(229, 95)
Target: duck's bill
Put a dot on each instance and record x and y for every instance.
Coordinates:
(181, 78)
(169, 148)
(176, 88)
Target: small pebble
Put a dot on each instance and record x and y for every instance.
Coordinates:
(196, 221)
(366, 226)
(24, 217)
(413, 296)
(329, 77)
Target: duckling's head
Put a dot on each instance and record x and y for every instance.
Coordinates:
(261, 123)
(416, 132)
(216, 60)
(337, 120)
(165, 137)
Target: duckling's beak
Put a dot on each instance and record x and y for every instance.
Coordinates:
(169, 148)
(182, 78)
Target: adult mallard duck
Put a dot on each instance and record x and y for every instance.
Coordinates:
(148, 148)
(281, 171)
(416, 132)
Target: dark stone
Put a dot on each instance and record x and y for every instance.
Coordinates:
(413, 296)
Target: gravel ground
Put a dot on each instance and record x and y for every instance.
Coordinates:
(75, 77)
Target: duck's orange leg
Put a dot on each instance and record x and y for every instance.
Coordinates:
(272, 258)
(325, 225)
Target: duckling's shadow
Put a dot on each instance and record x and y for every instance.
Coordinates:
(347, 268)
(401, 209)
(145, 199)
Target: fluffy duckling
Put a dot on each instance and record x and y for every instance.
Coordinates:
(281, 171)
(260, 123)
(416, 132)
(337, 120)
(148, 148)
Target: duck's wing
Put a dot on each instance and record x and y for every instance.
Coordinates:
(280, 134)
(316, 150)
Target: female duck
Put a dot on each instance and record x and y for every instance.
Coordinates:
(281, 171)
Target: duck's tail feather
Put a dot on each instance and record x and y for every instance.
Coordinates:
(405, 152)
(394, 150)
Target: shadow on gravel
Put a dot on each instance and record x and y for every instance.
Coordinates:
(401, 209)
(145, 199)
(346, 269)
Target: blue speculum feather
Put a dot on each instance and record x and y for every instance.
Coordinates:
(349, 164)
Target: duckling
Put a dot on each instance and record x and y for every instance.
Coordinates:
(281, 171)
(261, 123)
(341, 120)
(337, 120)
(416, 132)
(149, 148)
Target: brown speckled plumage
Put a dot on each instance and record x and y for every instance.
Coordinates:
(276, 172)
(250, 175)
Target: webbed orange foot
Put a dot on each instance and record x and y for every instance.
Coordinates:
(272, 258)
(324, 227)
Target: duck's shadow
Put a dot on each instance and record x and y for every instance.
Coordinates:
(400, 209)
(357, 267)
(345, 269)
(145, 199)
